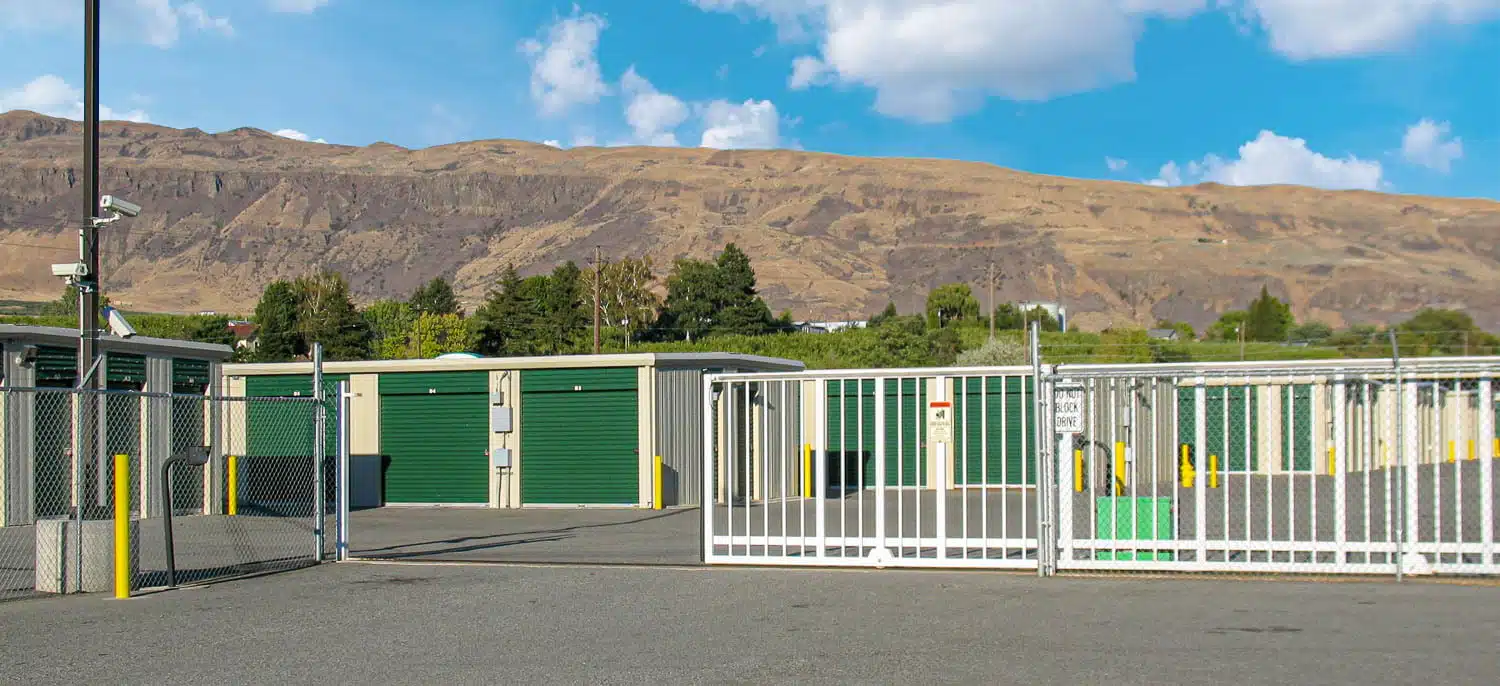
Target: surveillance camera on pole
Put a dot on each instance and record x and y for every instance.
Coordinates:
(117, 324)
(118, 208)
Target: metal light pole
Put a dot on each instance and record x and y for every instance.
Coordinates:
(88, 244)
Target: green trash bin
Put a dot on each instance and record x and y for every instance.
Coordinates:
(1134, 519)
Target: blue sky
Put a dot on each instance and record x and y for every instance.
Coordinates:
(1396, 95)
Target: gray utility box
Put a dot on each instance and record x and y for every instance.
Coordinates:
(364, 481)
(57, 555)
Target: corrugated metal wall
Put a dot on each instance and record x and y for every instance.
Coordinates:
(679, 434)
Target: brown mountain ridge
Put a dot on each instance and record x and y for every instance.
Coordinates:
(832, 237)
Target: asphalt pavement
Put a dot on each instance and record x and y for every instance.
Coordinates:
(428, 623)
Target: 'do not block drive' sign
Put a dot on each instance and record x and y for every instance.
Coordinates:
(1067, 409)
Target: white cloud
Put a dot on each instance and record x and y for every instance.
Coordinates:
(653, 116)
(752, 124)
(931, 60)
(1273, 159)
(565, 69)
(1115, 164)
(552, 142)
(156, 22)
(1307, 29)
(297, 6)
(52, 96)
(298, 136)
(1427, 143)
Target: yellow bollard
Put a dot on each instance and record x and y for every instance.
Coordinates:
(234, 485)
(1078, 470)
(1471, 451)
(1213, 471)
(1497, 449)
(122, 526)
(656, 479)
(1333, 462)
(1452, 452)
(807, 470)
(1120, 468)
(1189, 475)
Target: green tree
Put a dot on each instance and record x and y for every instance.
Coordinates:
(1039, 314)
(995, 352)
(626, 300)
(326, 315)
(561, 316)
(277, 337)
(437, 334)
(1434, 331)
(502, 325)
(1227, 328)
(741, 310)
(953, 302)
(943, 346)
(1268, 319)
(692, 299)
(1313, 333)
(885, 315)
(898, 343)
(211, 329)
(390, 323)
(435, 297)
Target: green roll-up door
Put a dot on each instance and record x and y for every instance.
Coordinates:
(286, 429)
(125, 371)
(994, 432)
(1225, 426)
(851, 433)
(434, 430)
(580, 431)
(1296, 428)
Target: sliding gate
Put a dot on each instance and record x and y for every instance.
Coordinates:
(915, 468)
(1342, 466)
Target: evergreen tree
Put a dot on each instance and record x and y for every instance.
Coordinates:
(435, 297)
(740, 309)
(886, 315)
(502, 326)
(692, 303)
(563, 319)
(1268, 319)
(277, 336)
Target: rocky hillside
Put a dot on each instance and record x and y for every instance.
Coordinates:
(831, 236)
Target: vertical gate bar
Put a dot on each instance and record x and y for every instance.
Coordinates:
(961, 457)
(1063, 486)
(1226, 457)
(1339, 467)
(787, 456)
(984, 457)
(923, 440)
(1435, 440)
(1367, 456)
(1313, 428)
(1132, 455)
(1456, 444)
(1391, 400)
(1025, 530)
(1252, 457)
(1200, 442)
(1410, 431)
(320, 426)
(844, 460)
(731, 456)
(804, 454)
(1291, 471)
(708, 486)
(1177, 442)
(1151, 411)
(859, 479)
(820, 469)
(941, 487)
(984, 460)
(341, 543)
(1114, 467)
(748, 431)
(1487, 474)
(880, 477)
(901, 467)
(765, 469)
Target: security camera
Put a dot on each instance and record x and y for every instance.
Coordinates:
(117, 324)
(70, 270)
(119, 205)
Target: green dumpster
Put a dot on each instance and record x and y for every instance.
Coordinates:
(1130, 520)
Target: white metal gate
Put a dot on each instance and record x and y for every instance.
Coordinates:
(1345, 466)
(914, 468)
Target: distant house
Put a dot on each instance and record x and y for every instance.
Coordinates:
(829, 327)
(1055, 310)
(244, 334)
(1164, 334)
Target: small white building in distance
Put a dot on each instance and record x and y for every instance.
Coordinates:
(1056, 310)
(830, 327)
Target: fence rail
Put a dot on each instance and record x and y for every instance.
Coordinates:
(238, 475)
(1356, 466)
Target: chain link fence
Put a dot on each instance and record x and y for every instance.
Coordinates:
(240, 477)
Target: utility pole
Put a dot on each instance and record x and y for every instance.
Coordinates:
(991, 279)
(88, 243)
(598, 274)
(1242, 342)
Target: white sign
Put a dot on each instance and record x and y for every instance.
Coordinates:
(1067, 409)
(940, 422)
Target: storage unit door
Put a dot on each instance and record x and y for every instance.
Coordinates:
(1231, 427)
(189, 378)
(434, 430)
(851, 433)
(580, 437)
